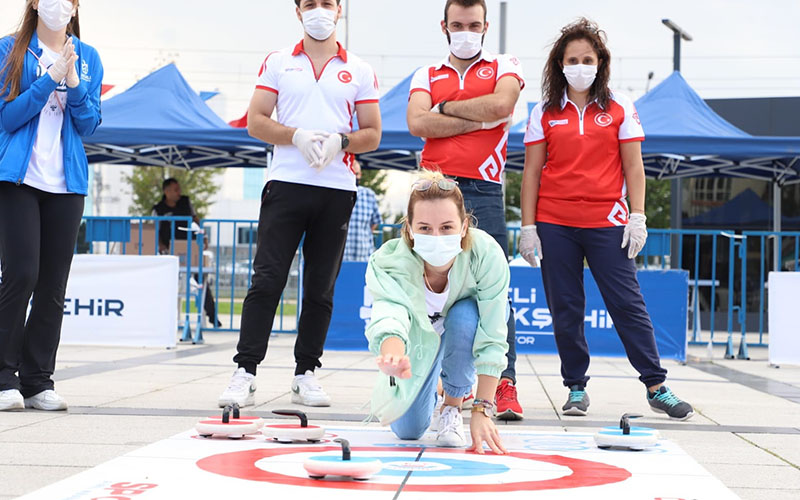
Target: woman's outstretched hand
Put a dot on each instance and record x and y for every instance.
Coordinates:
(395, 365)
(483, 430)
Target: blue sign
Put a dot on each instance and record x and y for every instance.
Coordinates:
(665, 294)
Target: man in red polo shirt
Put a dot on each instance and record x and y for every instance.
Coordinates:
(462, 106)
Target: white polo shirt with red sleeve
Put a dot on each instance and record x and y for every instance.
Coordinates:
(476, 155)
(582, 183)
(325, 101)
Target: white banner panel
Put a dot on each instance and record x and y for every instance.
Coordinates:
(122, 300)
(784, 317)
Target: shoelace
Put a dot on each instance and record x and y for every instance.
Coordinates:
(508, 393)
(668, 398)
(449, 416)
(576, 396)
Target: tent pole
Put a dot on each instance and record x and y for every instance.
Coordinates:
(776, 222)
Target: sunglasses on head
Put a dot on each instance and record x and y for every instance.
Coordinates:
(425, 184)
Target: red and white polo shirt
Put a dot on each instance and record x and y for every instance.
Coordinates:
(583, 184)
(480, 154)
(317, 101)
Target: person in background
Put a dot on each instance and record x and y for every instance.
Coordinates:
(583, 158)
(50, 85)
(462, 106)
(174, 204)
(365, 219)
(317, 88)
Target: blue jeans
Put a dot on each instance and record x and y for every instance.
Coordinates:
(454, 362)
(484, 200)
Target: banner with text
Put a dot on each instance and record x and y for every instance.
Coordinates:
(665, 293)
(122, 300)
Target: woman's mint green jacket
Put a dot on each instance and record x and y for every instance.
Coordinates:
(394, 278)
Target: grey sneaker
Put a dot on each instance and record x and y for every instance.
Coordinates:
(577, 403)
(11, 400)
(665, 401)
(241, 390)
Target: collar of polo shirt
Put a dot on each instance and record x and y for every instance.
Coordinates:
(485, 55)
(300, 49)
(565, 100)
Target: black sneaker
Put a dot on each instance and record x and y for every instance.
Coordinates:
(665, 401)
(578, 402)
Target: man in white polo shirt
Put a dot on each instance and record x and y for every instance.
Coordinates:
(316, 87)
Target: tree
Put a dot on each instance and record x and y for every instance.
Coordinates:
(375, 180)
(513, 187)
(657, 203)
(199, 185)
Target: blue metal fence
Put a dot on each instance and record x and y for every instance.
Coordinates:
(728, 272)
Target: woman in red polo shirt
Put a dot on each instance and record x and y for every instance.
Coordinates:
(583, 159)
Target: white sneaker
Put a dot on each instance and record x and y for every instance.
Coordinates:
(437, 412)
(307, 391)
(47, 400)
(451, 428)
(241, 390)
(11, 400)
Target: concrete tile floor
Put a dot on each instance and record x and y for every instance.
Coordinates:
(122, 399)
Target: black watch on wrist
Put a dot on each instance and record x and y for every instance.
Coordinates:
(345, 141)
(441, 107)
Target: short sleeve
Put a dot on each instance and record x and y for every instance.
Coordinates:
(631, 128)
(535, 132)
(368, 89)
(268, 74)
(421, 81)
(508, 65)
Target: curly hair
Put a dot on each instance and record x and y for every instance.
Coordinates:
(554, 83)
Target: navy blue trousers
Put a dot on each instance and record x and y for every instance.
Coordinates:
(564, 249)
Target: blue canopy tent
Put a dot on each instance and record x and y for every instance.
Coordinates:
(161, 121)
(746, 208)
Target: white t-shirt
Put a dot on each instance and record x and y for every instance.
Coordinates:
(46, 166)
(434, 303)
(327, 104)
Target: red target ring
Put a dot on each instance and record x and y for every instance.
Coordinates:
(242, 465)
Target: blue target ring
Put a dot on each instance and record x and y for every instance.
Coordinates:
(437, 467)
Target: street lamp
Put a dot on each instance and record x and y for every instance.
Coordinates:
(678, 34)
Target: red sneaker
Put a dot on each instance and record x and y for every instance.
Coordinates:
(466, 403)
(505, 400)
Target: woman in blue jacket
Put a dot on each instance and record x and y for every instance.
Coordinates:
(49, 97)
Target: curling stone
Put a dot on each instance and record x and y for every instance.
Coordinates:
(288, 433)
(358, 468)
(625, 436)
(230, 424)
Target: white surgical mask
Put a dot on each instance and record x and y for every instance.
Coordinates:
(437, 250)
(56, 14)
(580, 76)
(465, 44)
(319, 23)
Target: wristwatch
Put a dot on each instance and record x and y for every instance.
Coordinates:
(345, 141)
(483, 406)
(441, 107)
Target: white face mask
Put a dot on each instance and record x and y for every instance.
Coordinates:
(56, 14)
(580, 76)
(465, 44)
(437, 250)
(319, 23)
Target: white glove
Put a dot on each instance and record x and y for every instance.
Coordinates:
(331, 146)
(72, 77)
(490, 125)
(309, 142)
(635, 235)
(530, 245)
(58, 71)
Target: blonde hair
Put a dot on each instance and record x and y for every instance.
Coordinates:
(432, 194)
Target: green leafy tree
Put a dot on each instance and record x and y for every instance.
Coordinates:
(657, 203)
(513, 187)
(199, 185)
(375, 180)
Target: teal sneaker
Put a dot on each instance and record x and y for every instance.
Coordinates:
(665, 401)
(577, 403)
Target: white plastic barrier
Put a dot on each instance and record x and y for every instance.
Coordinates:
(784, 318)
(122, 300)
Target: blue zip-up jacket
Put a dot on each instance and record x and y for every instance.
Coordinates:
(19, 119)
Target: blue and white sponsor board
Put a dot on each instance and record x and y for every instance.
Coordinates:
(665, 294)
